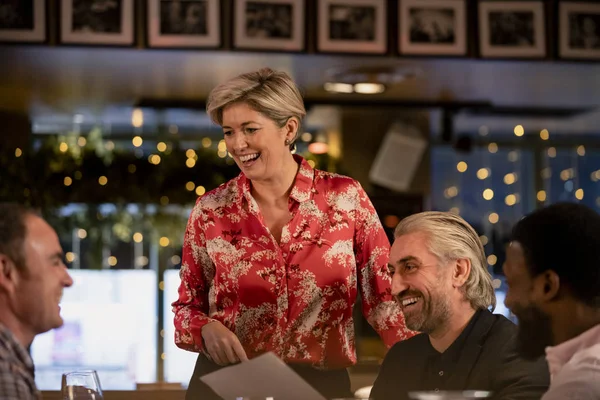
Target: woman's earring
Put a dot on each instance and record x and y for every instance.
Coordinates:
(287, 142)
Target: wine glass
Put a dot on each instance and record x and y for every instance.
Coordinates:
(81, 385)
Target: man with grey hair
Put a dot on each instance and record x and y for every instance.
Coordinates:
(440, 280)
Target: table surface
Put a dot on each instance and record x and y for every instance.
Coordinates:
(128, 395)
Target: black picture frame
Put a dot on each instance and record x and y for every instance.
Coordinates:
(184, 24)
(352, 26)
(417, 38)
(578, 30)
(81, 24)
(512, 29)
(269, 25)
(25, 22)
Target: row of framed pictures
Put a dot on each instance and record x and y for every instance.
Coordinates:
(505, 29)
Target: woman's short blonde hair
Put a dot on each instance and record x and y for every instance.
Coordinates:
(450, 238)
(271, 93)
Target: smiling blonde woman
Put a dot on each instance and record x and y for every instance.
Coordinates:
(274, 259)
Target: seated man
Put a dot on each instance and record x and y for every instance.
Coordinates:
(552, 270)
(440, 279)
(32, 278)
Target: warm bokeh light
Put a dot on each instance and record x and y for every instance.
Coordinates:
(544, 134)
(581, 150)
(190, 162)
(175, 259)
(222, 146)
(492, 259)
(306, 137)
(488, 194)
(164, 241)
(190, 153)
(493, 148)
(519, 130)
(68, 181)
(112, 261)
(206, 142)
(161, 146)
(551, 152)
(63, 147)
(391, 221)
(511, 178)
(484, 239)
(493, 218)
(567, 174)
(312, 163)
(81, 233)
(454, 210)
(200, 190)
(190, 186)
(222, 153)
(70, 257)
(137, 118)
(131, 168)
(510, 200)
(451, 192)
(81, 141)
(138, 237)
(137, 141)
(154, 159)
(462, 166)
(546, 173)
(483, 173)
(18, 152)
(579, 194)
(541, 195)
(103, 180)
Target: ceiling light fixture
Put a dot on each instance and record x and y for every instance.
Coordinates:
(369, 88)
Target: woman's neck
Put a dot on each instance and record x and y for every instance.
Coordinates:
(277, 188)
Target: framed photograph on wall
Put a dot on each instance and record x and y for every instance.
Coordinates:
(97, 22)
(512, 29)
(432, 27)
(269, 25)
(352, 26)
(184, 23)
(579, 30)
(23, 21)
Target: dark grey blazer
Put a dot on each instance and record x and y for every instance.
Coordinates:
(488, 361)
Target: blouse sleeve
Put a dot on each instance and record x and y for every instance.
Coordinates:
(197, 270)
(372, 251)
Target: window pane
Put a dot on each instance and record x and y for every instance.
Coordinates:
(110, 326)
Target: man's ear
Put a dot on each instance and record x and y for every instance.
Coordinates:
(9, 276)
(550, 285)
(461, 272)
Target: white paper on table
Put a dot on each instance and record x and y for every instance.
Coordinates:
(262, 377)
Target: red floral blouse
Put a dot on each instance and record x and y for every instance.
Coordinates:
(295, 297)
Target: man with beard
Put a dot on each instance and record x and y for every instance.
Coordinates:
(552, 270)
(440, 279)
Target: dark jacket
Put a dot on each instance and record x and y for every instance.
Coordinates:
(487, 360)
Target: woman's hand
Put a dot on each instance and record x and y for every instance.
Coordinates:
(222, 345)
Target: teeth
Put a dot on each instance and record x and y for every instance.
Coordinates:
(407, 302)
(249, 157)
